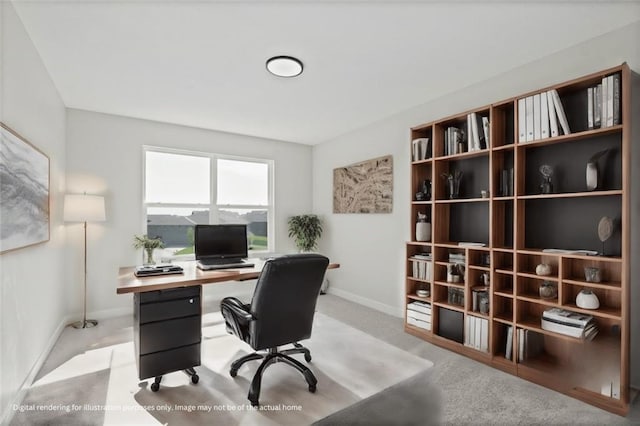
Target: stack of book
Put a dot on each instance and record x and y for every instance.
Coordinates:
(419, 315)
(603, 103)
(422, 266)
(454, 141)
(457, 258)
(541, 116)
(159, 269)
(476, 333)
(569, 323)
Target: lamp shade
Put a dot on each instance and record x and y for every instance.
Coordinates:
(83, 208)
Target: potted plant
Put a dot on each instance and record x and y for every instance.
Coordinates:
(149, 245)
(306, 229)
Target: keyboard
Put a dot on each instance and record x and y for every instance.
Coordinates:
(211, 264)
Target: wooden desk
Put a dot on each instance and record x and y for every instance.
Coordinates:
(129, 283)
(167, 311)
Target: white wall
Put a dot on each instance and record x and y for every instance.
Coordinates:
(33, 292)
(104, 156)
(371, 247)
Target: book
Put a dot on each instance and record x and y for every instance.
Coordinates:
(568, 330)
(616, 99)
(528, 103)
(520, 344)
(564, 316)
(536, 117)
(597, 106)
(418, 323)
(159, 269)
(603, 114)
(509, 345)
(486, 130)
(590, 109)
(562, 118)
(609, 101)
(544, 116)
(419, 307)
(419, 315)
(522, 121)
(553, 117)
(484, 334)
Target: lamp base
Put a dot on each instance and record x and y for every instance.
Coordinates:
(85, 324)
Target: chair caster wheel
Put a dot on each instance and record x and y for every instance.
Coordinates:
(195, 379)
(155, 387)
(312, 388)
(233, 372)
(307, 357)
(255, 403)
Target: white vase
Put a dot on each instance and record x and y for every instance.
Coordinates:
(423, 231)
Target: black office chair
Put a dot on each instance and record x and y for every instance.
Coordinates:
(280, 313)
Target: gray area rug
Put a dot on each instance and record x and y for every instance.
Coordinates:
(99, 384)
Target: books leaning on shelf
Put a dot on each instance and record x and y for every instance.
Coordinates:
(419, 315)
(541, 116)
(509, 343)
(569, 323)
(476, 333)
(603, 103)
(477, 133)
(530, 344)
(421, 148)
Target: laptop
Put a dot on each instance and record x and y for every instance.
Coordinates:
(221, 246)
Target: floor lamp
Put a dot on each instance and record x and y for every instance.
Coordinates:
(84, 208)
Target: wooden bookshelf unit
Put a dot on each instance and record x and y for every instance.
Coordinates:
(507, 218)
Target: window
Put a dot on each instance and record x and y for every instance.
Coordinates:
(182, 189)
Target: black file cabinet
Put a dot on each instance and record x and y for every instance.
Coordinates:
(167, 332)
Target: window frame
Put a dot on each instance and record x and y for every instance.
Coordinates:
(213, 206)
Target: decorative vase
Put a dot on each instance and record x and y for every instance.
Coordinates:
(423, 231)
(586, 299)
(548, 290)
(592, 274)
(543, 269)
(546, 187)
(149, 253)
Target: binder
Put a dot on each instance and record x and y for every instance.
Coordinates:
(553, 120)
(522, 122)
(536, 117)
(544, 116)
(529, 114)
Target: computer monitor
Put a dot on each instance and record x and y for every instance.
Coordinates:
(220, 241)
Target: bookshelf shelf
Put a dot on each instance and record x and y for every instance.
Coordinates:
(517, 224)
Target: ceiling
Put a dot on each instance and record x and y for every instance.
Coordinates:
(202, 63)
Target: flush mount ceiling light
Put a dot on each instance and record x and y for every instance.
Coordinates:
(284, 66)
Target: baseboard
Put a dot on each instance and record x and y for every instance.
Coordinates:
(373, 304)
(7, 415)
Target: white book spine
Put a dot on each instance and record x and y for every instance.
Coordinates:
(536, 117)
(553, 118)
(529, 108)
(522, 121)
(484, 335)
(610, 101)
(597, 106)
(616, 99)
(478, 329)
(470, 145)
(603, 115)
(544, 116)
(590, 107)
(509, 345)
(474, 129)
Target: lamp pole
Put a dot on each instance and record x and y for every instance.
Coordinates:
(85, 323)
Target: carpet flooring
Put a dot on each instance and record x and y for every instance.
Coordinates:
(99, 385)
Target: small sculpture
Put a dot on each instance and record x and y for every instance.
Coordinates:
(605, 230)
(453, 183)
(546, 187)
(592, 170)
(587, 299)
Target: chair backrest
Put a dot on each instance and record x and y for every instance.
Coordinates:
(285, 298)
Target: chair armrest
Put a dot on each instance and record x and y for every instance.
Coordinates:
(237, 307)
